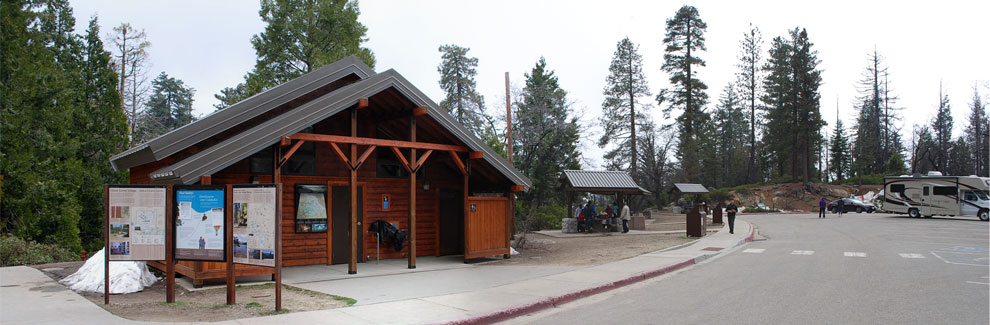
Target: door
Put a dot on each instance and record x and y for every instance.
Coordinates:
(926, 198)
(341, 210)
(451, 222)
(487, 227)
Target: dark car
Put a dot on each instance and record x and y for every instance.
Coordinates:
(852, 205)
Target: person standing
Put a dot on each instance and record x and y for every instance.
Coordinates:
(731, 210)
(821, 208)
(589, 216)
(840, 207)
(624, 215)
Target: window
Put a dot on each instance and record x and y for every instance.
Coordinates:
(897, 188)
(302, 162)
(944, 190)
(261, 162)
(925, 191)
(389, 167)
(970, 196)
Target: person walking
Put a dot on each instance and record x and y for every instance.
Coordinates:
(624, 215)
(589, 216)
(731, 210)
(579, 215)
(821, 208)
(840, 207)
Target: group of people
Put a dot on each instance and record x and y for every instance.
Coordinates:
(587, 216)
(840, 208)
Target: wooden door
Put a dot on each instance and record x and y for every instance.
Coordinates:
(486, 227)
(341, 210)
(451, 222)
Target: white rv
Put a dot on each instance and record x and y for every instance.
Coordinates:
(934, 194)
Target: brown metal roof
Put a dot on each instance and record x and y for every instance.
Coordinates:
(601, 181)
(225, 119)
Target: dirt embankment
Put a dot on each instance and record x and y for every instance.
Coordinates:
(797, 197)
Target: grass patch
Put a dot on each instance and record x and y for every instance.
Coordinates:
(269, 285)
(349, 301)
(274, 312)
(222, 306)
(253, 304)
(174, 304)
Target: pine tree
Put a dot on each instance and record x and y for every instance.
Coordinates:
(960, 158)
(624, 86)
(300, 36)
(457, 71)
(130, 60)
(546, 134)
(839, 152)
(942, 131)
(748, 79)
(686, 34)
(924, 157)
(978, 135)
(875, 126)
(731, 135)
(169, 108)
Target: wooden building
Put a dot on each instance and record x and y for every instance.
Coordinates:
(375, 148)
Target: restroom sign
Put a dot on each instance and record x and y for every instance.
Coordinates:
(386, 202)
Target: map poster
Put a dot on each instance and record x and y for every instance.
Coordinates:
(199, 228)
(311, 208)
(137, 222)
(254, 224)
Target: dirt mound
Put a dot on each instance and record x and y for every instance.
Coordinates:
(796, 196)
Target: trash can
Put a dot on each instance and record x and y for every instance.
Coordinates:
(695, 223)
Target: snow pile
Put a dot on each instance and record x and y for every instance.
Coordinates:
(513, 251)
(125, 276)
(869, 197)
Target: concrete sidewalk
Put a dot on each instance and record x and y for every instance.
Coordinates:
(455, 295)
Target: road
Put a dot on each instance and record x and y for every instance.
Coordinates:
(857, 269)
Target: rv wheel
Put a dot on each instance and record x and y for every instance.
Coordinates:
(913, 213)
(983, 215)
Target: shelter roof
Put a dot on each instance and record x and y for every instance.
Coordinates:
(689, 188)
(600, 181)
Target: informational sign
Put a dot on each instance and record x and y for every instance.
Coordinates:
(311, 208)
(136, 222)
(199, 228)
(386, 202)
(254, 224)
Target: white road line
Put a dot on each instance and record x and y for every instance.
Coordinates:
(978, 283)
(854, 254)
(911, 255)
(754, 250)
(947, 261)
(802, 252)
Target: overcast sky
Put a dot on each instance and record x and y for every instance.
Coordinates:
(207, 45)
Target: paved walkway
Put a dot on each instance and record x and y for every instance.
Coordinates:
(433, 294)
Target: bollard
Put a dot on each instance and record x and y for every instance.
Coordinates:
(82, 256)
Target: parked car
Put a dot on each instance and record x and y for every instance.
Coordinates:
(852, 205)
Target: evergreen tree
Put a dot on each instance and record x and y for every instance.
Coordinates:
(923, 157)
(895, 165)
(546, 134)
(686, 34)
(792, 100)
(748, 79)
(301, 36)
(839, 152)
(731, 134)
(457, 71)
(875, 125)
(624, 86)
(942, 131)
(230, 95)
(169, 108)
(960, 158)
(978, 135)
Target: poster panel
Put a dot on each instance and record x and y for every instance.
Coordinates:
(199, 228)
(137, 222)
(311, 208)
(254, 224)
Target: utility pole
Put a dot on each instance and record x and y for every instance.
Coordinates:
(508, 120)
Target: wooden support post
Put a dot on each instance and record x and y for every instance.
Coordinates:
(467, 208)
(510, 214)
(229, 237)
(352, 264)
(106, 245)
(170, 243)
(412, 193)
(278, 248)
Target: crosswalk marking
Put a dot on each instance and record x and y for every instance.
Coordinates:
(754, 250)
(854, 254)
(802, 252)
(911, 255)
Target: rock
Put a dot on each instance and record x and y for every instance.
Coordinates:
(569, 225)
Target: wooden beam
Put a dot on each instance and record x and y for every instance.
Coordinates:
(518, 188)
(360, 161)
(340, 154)
(412, 193)
(352, 264)
(285, 141)
(362, 103)
(288, 155)
(377, 142)
(458, 162)
(228, 234)
(205, 180)
(402, 159)
(420, 111)
(476, 154)
(422, 159)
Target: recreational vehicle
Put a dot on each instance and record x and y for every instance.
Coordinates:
(934, 194)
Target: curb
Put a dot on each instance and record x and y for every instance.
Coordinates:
(551, 302)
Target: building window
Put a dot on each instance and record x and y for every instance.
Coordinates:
(302, 162)
(388, 166)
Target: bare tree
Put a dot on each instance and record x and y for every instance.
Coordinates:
(130, 59)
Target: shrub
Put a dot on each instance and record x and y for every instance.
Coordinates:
(548, 217)
(16, 251)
